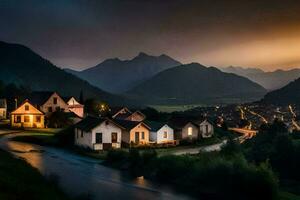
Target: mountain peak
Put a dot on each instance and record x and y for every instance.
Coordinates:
(142, 54)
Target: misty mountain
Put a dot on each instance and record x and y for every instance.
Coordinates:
(289, 94)
(269, 80)
(22, 66)
(118, 76)
(241, 71)
(194, 83)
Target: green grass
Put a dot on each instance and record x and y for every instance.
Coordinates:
(288, 196)
(18, 180)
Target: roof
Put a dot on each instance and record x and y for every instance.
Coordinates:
(179, 123)
(3, 103)
(90, 122)
(155, 126)
(115, 110)
(27, 101)
(40, 97)
(128, 125)
(122, 116)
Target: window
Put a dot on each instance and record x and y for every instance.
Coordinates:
(26, 107)
(190, 131)
(165, 134)
(57, 108)
(81, 133)
(143, 135)
(114, 137)
(38, 119)
(54, 100)
(206, 128)
(98, 138)
(49, 109)
(18, 119)
(26, 119)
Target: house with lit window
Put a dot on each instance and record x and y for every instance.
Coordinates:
(48, 102)
(3, 109)
(134, 132)
(27, 116)
(98, 133)
(161, 133)
(123, 113)
(75, 107)
(185, 129)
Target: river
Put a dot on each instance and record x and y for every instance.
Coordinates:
(81, 176)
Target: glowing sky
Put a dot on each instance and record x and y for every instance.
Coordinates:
(82, 33)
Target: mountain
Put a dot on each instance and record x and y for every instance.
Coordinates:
(241, 71)
(118, 76)
(269, 80)
(22, 66)
(193, 84)
(289, 94)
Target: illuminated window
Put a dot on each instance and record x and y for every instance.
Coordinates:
(26, 119)
(190, 131)
(26, 107)
(54, 100)
(165, 134)
(38, 119)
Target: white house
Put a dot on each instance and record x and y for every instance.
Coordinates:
(161, 133)
(3, 108)
(98, 133)
(206, 129)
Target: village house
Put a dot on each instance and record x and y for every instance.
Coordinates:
(123, 113)
(48, 102)
(206, 129)
(134, 132)
(185, 130)
(3, 109)
(27, 116)
(75, 107)
(98, 133)
(161, 133)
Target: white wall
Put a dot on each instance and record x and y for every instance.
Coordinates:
(158, 136)
(106, 129)
(84, 141)
(206, 133)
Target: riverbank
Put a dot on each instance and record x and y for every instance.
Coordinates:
(18, 180)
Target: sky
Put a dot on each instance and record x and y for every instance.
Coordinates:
(82, 33)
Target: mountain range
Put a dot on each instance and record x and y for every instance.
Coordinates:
(289, 94)
(269, 80)
(195, 83)
(22, 66)
(119, 76)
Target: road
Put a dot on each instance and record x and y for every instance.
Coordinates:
(82, 176)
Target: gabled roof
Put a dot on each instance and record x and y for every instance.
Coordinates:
(115, 110)
(181, 122)
(128, 125)
(27, 101)
(155, 126)
(40, 97)
(122, 116)
(90, 122)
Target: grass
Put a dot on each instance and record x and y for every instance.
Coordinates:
(288, 196)
(18, 180)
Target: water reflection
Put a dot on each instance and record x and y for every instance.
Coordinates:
(85, 176)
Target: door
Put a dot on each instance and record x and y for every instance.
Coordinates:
(137, 137)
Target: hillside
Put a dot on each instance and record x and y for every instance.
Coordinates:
(118, 76)
(269, 80)
(194, 83)
(289, 94)
(22, 66)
